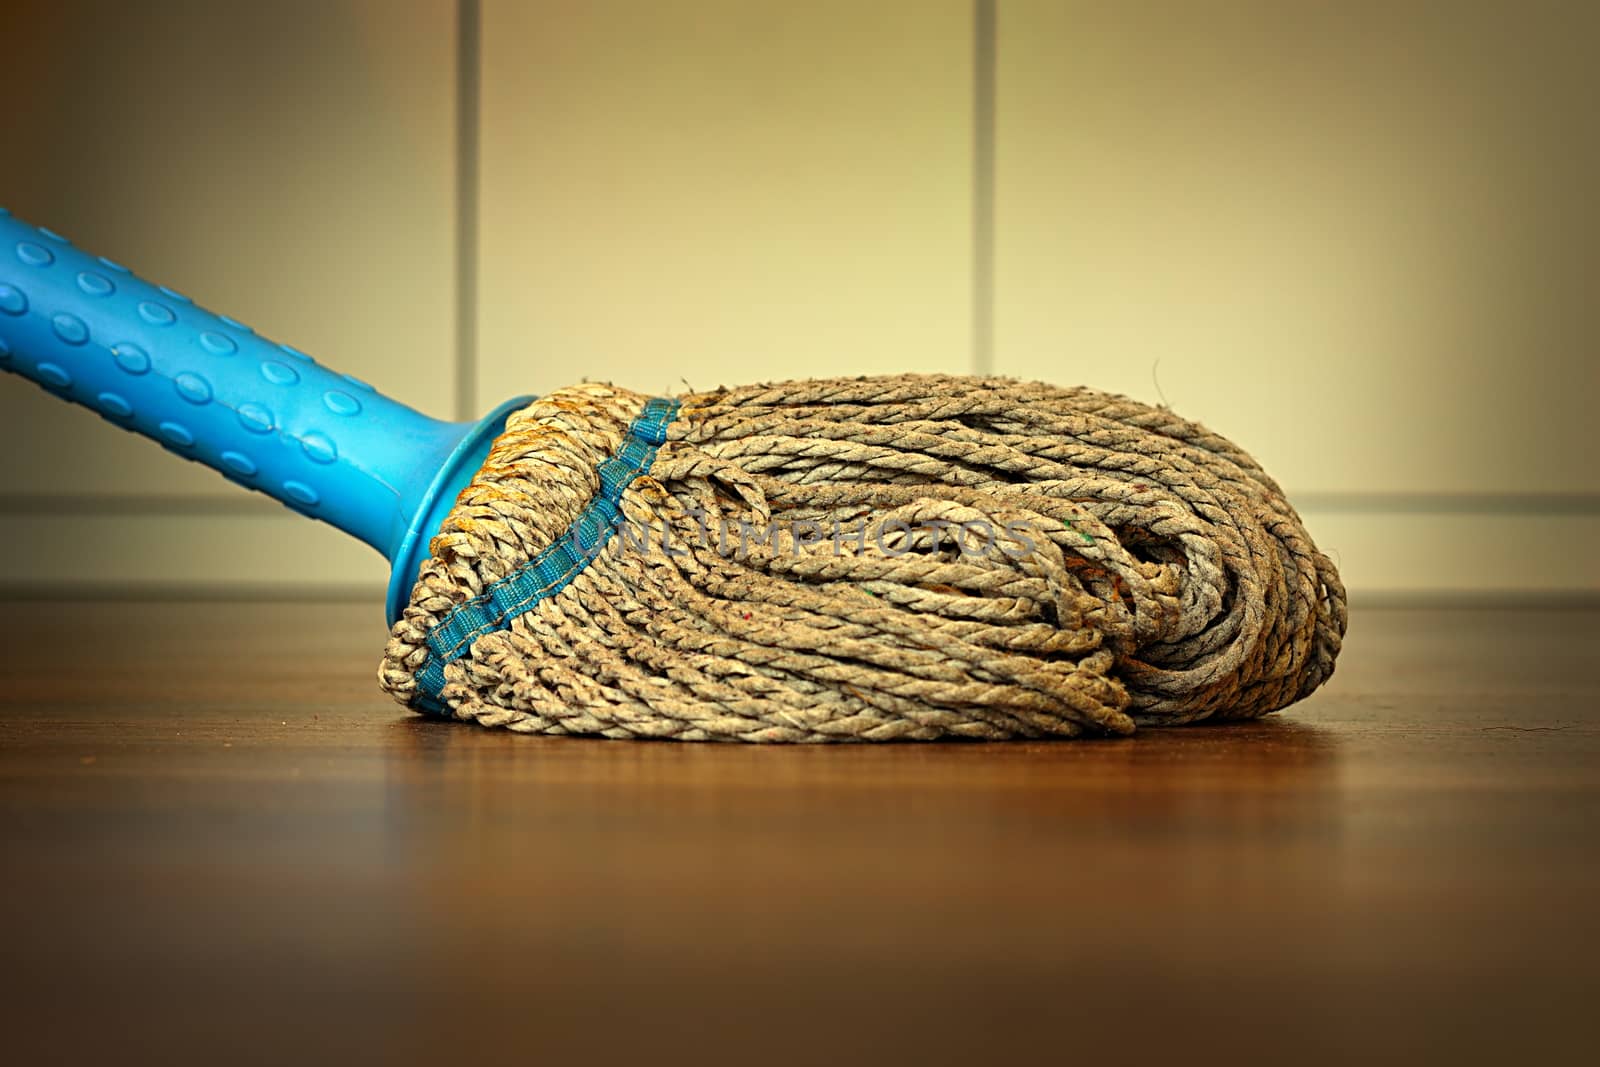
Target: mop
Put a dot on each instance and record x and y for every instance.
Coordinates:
(903, 557)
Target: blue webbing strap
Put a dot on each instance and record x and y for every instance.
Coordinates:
(547, 573)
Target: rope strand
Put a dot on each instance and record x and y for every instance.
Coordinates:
(906, 557)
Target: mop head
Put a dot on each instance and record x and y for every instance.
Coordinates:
(882, 558)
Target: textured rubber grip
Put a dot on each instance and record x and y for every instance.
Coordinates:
(205, 386)
(208, 388)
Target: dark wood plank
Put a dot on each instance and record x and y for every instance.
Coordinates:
(222, 844)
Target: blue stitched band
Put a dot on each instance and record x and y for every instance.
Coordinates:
(549, 572)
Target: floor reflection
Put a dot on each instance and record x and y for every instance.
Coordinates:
(600, 827)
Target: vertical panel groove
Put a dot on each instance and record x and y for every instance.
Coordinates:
(468, 81)
(983, 124)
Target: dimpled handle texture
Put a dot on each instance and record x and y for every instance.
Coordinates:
(210, 389)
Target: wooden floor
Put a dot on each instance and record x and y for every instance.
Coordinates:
(222, 844)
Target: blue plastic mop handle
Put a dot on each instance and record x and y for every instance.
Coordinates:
(210, 389)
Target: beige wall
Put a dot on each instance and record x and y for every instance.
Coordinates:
(1354, 237)
(719, 190)
(1357, 238)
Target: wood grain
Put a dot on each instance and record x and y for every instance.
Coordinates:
(221, 844)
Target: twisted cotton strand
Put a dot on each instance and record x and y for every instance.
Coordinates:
(803, 562)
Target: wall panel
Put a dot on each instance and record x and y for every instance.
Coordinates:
(713, 191)
(1357, 238)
